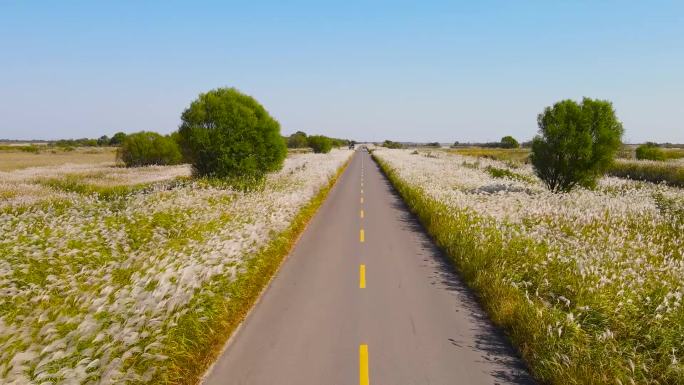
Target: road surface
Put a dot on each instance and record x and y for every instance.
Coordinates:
(366, 298)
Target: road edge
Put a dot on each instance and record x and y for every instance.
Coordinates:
(415, 201)
(251, 286)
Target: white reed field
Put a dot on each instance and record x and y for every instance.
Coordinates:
(98, 264)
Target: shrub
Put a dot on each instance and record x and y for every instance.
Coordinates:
(117, 139)
(103, 140)
(337, 142)
(650, 151)
(576, 143)
(227, 134)
(320, 144)
(509, 142)
(297, 140)
(148, 148)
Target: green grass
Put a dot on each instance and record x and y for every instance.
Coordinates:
(488, 259)
(497, 172)
(198, 338)
(656, 172)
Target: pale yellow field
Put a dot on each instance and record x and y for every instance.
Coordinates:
(14, 160)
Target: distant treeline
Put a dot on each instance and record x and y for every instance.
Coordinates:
(319, 143)
(104, 140)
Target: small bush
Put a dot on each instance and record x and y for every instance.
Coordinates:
(576, 143)
(320, 144)
(650, 151)
(297, 140)
(509, 142)
(227, 134)
(497, 172)
(117, 139)
(148, 148)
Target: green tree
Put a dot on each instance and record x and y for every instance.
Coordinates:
(576, 143)
(103, 140)
(509, 142)
(148, 148)
(227, 134)
(650, 151)
(297, 140)
(320, 144)
(117, 139)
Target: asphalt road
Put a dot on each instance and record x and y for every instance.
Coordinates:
(366, 298)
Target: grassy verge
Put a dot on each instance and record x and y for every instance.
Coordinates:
(199, 337)
(650, 171)
(558, 349)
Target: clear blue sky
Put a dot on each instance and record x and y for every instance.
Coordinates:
(373, 70)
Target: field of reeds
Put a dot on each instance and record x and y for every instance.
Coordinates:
(115, 275)
(669, 172)
(588, 285)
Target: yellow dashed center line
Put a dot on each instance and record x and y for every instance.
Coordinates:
(362, 236)
(361, 213)
(363, 365)
(362, 276)
(361, 199)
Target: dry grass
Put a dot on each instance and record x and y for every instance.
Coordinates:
(17, 159)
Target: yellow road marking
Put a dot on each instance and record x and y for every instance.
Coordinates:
(362, 276)
(362, 236)
(361, 213)
(361, 199)
(363, 365)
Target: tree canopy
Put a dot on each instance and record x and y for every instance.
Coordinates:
(576, 143)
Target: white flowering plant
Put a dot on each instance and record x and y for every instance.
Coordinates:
(587, 284)
(106, 288)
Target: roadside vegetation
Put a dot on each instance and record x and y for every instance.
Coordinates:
(125, 274)
(587, 284)
(139, 274)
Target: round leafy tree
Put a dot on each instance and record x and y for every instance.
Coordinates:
(576, 143)
(509, 142)
(148, 148)
(227, 134)
(320, 144)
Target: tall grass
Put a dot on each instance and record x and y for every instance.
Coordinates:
(198, 338)
(568, 331)
(671, 173)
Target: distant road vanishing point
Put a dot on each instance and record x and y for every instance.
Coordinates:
(366, 298)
